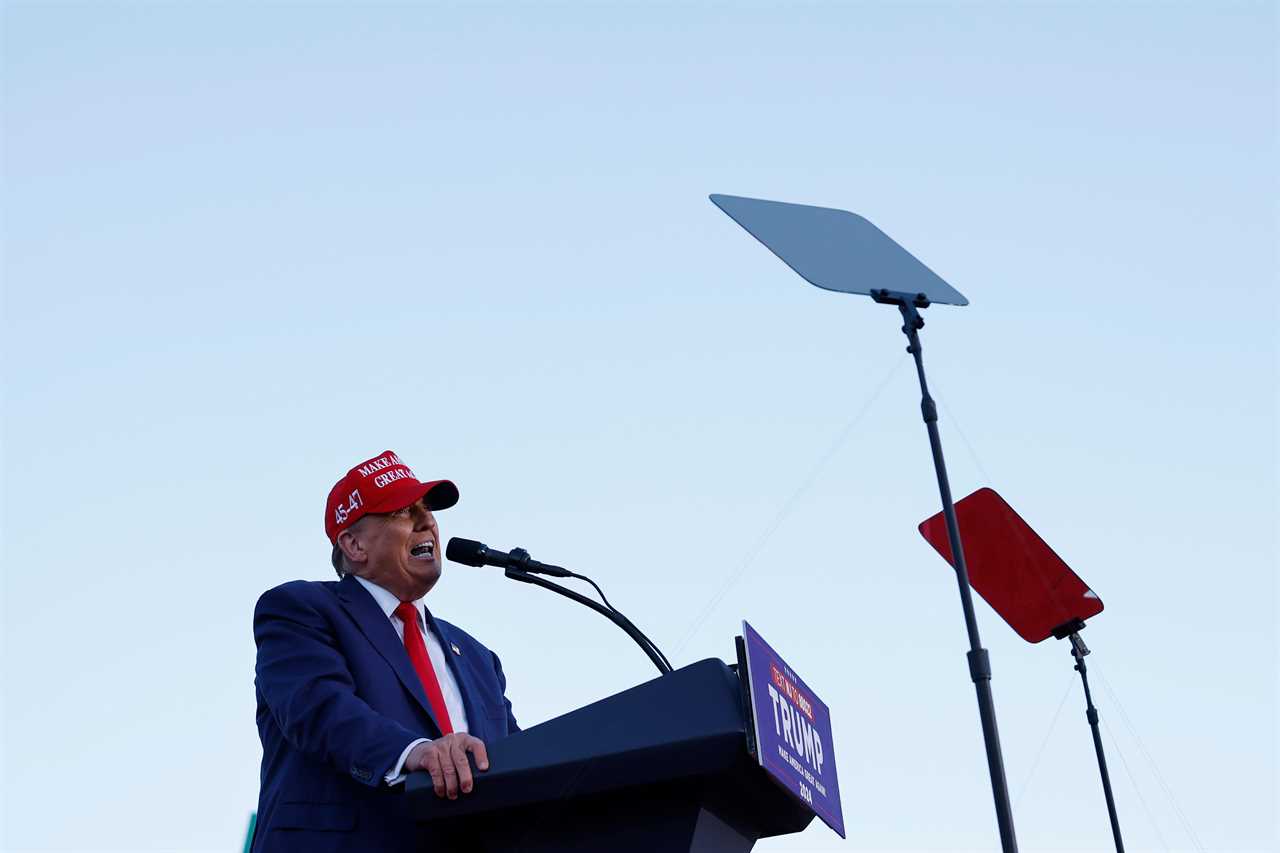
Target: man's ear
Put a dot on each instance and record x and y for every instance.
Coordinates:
(351, 545)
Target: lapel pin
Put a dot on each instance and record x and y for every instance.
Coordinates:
(457, 651)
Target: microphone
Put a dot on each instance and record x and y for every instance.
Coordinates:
(469, 552)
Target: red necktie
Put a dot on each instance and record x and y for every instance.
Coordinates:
(421, 661)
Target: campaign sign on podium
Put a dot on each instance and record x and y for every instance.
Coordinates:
(792, 730)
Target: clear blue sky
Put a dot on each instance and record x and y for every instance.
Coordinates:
(247, 246)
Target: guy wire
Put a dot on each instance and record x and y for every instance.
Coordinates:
(787, 506)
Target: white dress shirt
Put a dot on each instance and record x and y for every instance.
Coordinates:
(448, 684)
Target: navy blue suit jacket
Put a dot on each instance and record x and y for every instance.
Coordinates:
(338, 701)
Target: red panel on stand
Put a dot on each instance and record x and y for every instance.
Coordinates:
(1012, 568)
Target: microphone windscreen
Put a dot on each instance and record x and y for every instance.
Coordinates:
(468, 552)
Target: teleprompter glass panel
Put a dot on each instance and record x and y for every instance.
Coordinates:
(1012, 568)
(835, 249)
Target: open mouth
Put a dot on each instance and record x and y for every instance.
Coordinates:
(423, 551)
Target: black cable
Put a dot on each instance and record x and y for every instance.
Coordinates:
(600, 592)
(609, 613)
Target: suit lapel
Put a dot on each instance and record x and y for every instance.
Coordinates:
(380, 633)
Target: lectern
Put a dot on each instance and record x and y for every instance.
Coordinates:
(660, 768)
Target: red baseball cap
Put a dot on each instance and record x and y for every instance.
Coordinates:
(380, 484)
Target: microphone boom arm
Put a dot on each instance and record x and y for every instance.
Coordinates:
(612, 615)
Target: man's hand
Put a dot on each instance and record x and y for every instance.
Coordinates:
(446, 760)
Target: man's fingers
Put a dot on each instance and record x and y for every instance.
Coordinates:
(450, 769)
(431, 761)
(459, 756)
(478, 750)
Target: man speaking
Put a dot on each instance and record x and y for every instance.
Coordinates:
(358, 684)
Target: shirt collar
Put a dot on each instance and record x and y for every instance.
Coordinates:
(387, 600)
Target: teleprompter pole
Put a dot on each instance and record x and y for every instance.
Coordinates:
(979, 661)
(1078, 651)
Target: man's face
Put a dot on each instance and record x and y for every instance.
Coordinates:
(399, 551)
